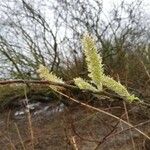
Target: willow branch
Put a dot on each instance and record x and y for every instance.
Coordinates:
(68, 86)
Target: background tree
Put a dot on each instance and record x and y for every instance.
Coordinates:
(49, 33)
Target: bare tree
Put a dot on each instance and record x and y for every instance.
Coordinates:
(118, 32)
(27, 39)
(49, 33)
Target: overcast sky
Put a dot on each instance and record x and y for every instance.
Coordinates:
(107, 4)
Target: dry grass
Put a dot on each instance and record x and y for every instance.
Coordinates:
(78, 127)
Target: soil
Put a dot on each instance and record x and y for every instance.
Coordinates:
(74, 128)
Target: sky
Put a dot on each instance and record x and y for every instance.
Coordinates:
(107, 4)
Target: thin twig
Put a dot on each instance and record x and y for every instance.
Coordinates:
(20, 138)
(73, 141)
(127, 117)
(29, 120)
(65, 85)
(125, 130)
(104, 112)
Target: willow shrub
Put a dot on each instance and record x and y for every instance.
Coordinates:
(95, 73)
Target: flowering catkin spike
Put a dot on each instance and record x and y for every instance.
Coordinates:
(82, 84)
(93, 60)
(118, 88)
(44, 73)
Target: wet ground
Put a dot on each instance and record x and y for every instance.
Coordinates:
(54, 126)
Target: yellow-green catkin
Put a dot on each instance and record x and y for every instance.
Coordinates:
(93, 60)
(82, 84)
(118, 88)
(46, 75)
